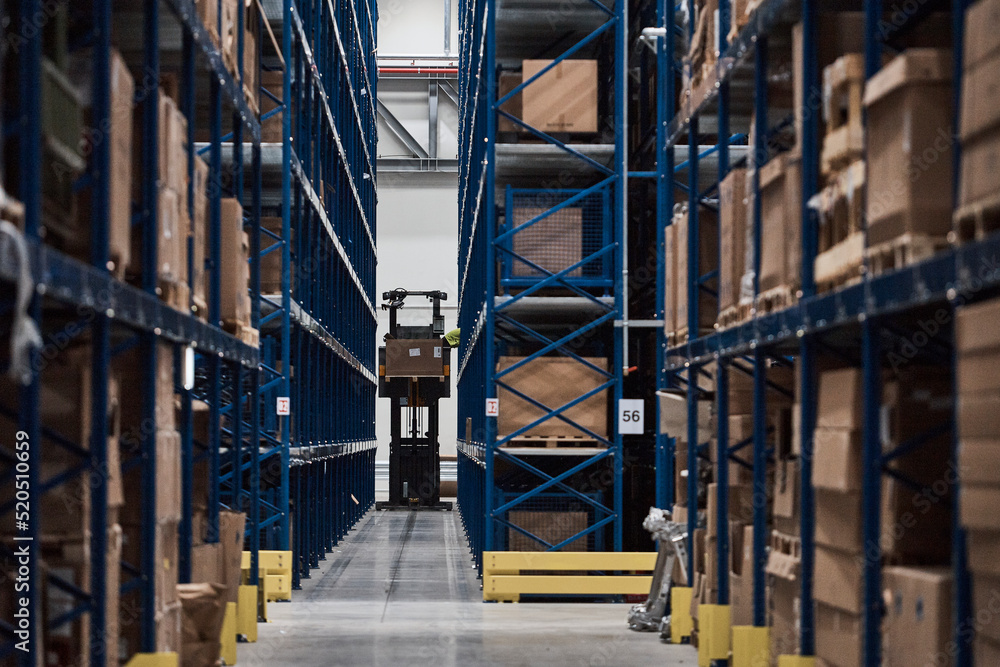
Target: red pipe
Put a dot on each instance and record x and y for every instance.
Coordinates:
(418, 70)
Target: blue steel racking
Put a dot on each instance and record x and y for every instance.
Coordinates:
(866, 311)
(493, 33)
(318, 333)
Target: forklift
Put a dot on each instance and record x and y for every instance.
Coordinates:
(414, 373)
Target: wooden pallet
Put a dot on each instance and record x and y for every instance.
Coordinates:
(903, 251)
(774, 300)
(552, 442)
(734, 315)
(790, 545)
(974, 222)
(244, 332)
(840, 265)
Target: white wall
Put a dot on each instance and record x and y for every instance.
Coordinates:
(415, 27)
(417, 249)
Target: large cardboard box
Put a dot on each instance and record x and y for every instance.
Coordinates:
(980, 160)
(414, 358)
(909, 144)
(839, 579)
(786, 489)
(232, 526)
(982, 32)
(554, 243)
(708, 261)
(564, 99)
(917, 627)
(979, 507)
(168, 475)
(674, 418)
(553, 527)
(507, 82)
(733, 228)
(979, 461)
(199, 238)
(670, 285)
(986, 598)
(234, 271)
(977, 373)
(740, 506)
(840, 399)
(772, 212)
(120, 181)
(838, 520)
(985, 651)
(554, 382)
(681, 473)
(980, 87)
(837, 459)
(977, 327)
(838, 637)
(984, 552)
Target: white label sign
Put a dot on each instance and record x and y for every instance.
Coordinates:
(631, 416)
(492, 407)
(437, 352)
(284, 406)
(414, 351)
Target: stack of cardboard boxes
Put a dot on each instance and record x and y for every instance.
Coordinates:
(732, 246)
(979, 192)
(234, 274)
(915, 526)
(65, 512)
(977, 343)
(677, 269)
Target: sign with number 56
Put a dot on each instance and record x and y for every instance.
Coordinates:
(631, 416)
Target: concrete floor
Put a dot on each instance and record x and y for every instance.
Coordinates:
(401, 590)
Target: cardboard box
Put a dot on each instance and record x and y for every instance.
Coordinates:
(838, 520)
(772, 207)
(977, 327)
(168, 475)
(839, 579)
(231, 529)
(740, 506)
(792, 236)
(976, 373)
(670, 285)
(234, 270)
(982, 32)
(979, 461)
(553, 527)
(840, 399)
(208, 12)
(564, 99)
(978, 507)
(985, 651)
(199, 238)
(708, 246)
(554, 382)
(554, 243)
(785, 604)
(917, 627)
(986, 602)
(681, 473)
(120, 182)
(839, 637)
(980, 159)
(270, 263)
(980, 86)
(733, 234)
(909, 105)
(837, 460)
(674, 418)
(414, 358)
(206, 563)
(507, 82)
(916, 526)
(984, 552)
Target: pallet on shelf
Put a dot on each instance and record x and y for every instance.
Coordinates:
(552, 442)
(903, 251)
(775, 299)
(974, 222)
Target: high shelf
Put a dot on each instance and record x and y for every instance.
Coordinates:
(275, 133)
(870, 323)
(526, 318)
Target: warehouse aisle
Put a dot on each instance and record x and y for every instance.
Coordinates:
(401, 590)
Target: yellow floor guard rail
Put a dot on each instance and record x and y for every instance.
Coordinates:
(503, 581)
